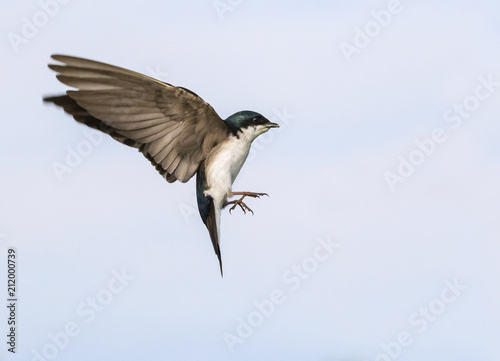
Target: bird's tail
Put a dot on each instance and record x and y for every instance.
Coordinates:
(213, 226)
(209, 212)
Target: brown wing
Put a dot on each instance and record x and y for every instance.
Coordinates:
(172, 126)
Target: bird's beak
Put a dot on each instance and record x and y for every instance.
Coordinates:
(272, 125)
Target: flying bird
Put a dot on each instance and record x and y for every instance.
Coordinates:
(174, 128)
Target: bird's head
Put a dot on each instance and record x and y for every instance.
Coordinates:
(250, 124)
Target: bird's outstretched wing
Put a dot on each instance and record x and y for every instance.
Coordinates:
(172, 126)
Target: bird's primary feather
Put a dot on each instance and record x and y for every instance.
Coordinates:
(172, 126)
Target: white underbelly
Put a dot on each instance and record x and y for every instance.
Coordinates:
(223, 166)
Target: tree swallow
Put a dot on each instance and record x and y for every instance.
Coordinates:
(174, 128)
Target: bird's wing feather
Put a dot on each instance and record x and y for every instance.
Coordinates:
(172, 126)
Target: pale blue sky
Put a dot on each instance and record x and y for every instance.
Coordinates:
(397, 248)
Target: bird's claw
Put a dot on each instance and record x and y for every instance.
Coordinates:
(242, 205)
(257, 195)
(239, 202)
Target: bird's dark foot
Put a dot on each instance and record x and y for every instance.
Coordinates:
(240, 203)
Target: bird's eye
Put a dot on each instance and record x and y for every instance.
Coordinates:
(255, 120)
